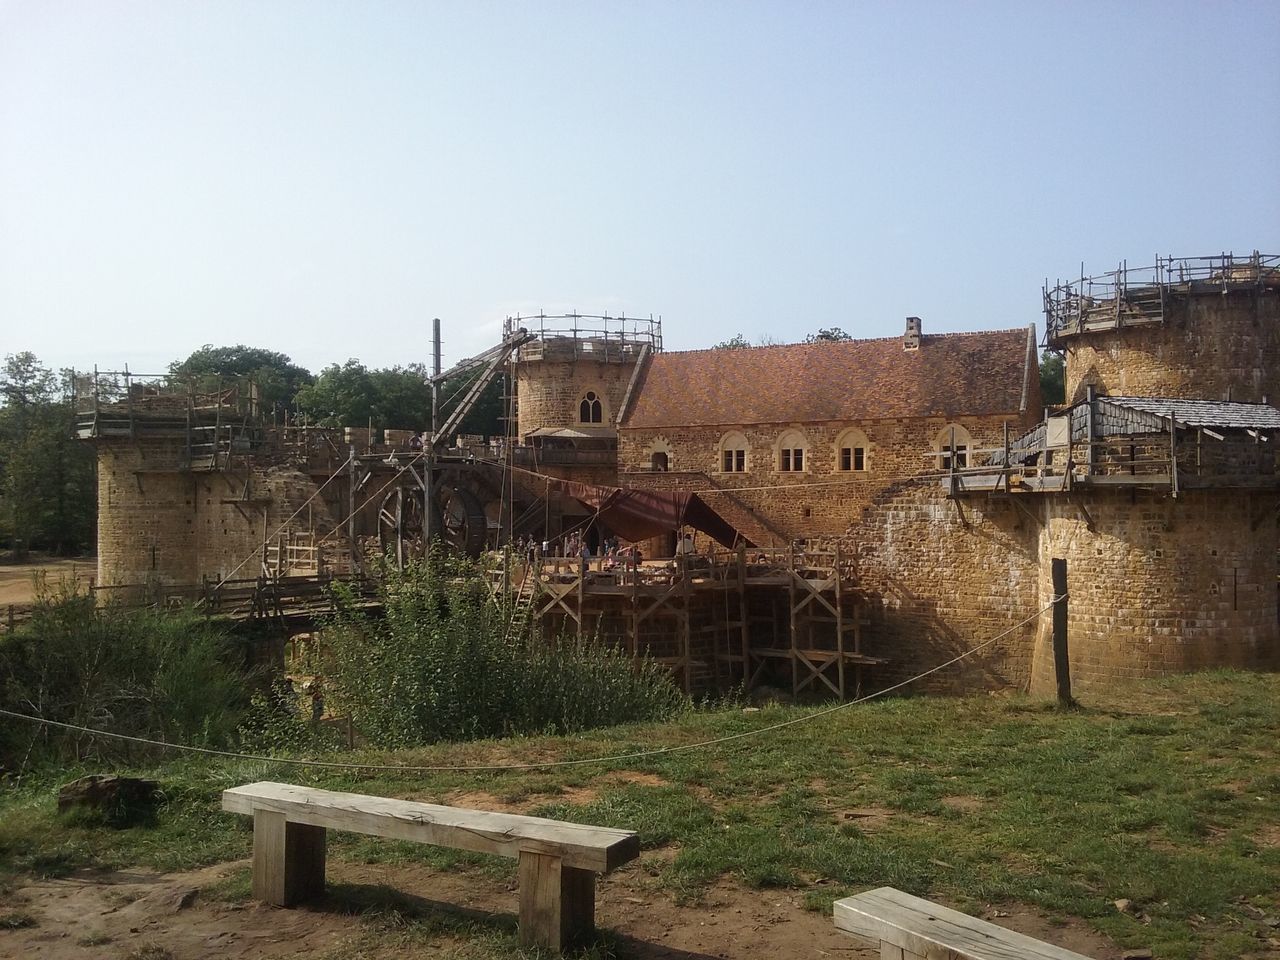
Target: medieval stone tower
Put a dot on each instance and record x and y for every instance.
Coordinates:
(1204, 329)
(180, 498)
(573, 384)
(1165, 469)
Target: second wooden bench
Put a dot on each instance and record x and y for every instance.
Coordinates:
(558, 862)
(909, 928)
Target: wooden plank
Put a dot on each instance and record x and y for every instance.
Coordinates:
(288, 860)
(479, 831)
(929, 929)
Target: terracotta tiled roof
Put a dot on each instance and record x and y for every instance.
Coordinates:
(949, 375)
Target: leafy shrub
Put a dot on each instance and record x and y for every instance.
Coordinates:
(158, 674)
(448, 662)
(274, 723)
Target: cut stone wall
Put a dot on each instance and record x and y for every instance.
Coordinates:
(1160, 585)
(158, 523)
(146, 514)
(819, 501)
(943, 576)
(1211, 346)
(549, 391)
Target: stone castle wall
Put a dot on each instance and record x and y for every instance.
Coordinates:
(159, 523)
(943, 576)
(1160, 585)
(821, 500)
(146, 514)
(1211, 346)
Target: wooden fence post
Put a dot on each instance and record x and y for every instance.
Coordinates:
(1061, 663)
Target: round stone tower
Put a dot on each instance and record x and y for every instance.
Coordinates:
(1205, 328)
(1160, 586)
(146, 524)
(1176, 571)
(575, 378)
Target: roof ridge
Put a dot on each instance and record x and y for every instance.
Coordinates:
(1021, 331)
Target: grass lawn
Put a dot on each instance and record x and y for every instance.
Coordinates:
(1166, 794)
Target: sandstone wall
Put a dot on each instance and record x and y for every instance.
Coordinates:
(819, 501)
(549, 391)
(943, 576)
(146, 514)
(1211, 346)
(1160, 585)
(159, 523)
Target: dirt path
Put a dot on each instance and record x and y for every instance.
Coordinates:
(17, 580)
(138, 915)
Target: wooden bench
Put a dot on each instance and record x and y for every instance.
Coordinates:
(558, 862)
(909, 928)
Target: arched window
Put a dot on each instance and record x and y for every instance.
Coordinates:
(793, 451)
(953, 445)
(590, 410)
(733, 453)
(852, 452)
(659, 455)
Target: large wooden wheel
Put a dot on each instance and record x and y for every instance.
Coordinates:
(459, 522)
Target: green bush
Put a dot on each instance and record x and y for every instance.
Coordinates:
(448, 662)
(166, 675)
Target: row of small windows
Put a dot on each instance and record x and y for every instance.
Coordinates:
(851, 451)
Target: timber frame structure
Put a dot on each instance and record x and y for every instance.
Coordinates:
(716, 619)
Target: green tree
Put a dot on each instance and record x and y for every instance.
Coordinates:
(48, 493)
(351, 394)
(401, 397)
(1053, 385)
(827, 335)
(736, 342)
(278, 378)
(342, 395)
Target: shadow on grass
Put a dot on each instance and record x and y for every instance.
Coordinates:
(379, 901)
(385, 906)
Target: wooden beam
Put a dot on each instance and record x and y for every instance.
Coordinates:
(922, 928)
(557, 903)
(1061, 660)
(288, 860)
(479, 831)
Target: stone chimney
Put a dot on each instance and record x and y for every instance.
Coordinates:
(911, 339)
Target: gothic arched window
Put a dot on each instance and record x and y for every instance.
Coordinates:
(590, 410)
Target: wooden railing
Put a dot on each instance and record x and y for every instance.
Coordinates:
(1139, 294)
(240, 599)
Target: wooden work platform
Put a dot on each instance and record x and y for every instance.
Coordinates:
(716, 619)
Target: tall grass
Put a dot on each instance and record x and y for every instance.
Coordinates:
(447, 662)
(159, 674)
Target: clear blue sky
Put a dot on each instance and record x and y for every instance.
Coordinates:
(322, 178)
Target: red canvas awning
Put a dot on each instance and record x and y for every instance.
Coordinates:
(640, 514)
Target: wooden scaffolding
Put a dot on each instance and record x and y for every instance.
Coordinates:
(717, 619)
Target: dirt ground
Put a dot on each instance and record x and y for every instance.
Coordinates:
(17, 580)
(138, 914)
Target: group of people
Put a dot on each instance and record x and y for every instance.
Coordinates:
(610, 550)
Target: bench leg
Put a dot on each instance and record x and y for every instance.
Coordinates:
(557, 903)
(889, 951)
(288, 860)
